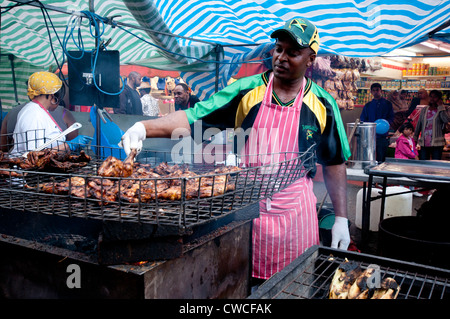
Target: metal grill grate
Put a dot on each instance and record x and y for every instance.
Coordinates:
(310, 276)
(251, 184)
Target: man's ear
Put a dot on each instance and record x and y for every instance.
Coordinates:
(312, 58)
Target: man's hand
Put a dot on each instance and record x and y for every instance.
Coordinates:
(133, 138)
(340, 235)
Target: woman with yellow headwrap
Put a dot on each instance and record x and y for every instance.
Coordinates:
(35, 124)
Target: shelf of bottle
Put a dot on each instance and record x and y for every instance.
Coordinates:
(440, 76)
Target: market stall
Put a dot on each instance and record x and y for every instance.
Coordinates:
(133, 243)
(172, 220)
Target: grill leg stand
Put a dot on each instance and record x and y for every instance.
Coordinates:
(383, 198)
(365, 218)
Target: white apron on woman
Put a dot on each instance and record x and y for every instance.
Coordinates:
(288, 224)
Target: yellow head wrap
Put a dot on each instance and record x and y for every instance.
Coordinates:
(43, 83)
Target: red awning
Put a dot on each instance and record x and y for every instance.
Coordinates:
(248, 69)
(145, 71)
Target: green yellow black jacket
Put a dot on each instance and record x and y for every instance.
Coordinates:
(237, 106)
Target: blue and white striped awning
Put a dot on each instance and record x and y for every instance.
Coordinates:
(195, 36)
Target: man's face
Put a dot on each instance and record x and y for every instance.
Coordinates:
(135, 81)
(289, 61)
(376, 92)
(395, 95)
(422, 94)
(434, 99)
(403, 95)
(180, 95)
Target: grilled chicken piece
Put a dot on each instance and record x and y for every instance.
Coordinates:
(61, 187)
(360, 289)
(47, 159)
(5, 170)
(103, 189)
(113, 167)
(83, 157)
(389, 289)
(343, 279)
(140, 185)
(128, 163)
(171, 193)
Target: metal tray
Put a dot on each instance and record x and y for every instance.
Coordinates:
(426, 171)
(309, 276)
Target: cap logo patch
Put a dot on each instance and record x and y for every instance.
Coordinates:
(299, 24)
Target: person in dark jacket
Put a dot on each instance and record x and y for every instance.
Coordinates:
(378, 108)
(130, 100)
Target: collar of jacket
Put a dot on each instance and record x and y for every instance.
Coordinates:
(310, 100)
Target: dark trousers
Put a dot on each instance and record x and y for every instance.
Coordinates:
(381, 146)
(432, 152)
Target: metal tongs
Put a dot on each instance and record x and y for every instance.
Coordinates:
(73, 127)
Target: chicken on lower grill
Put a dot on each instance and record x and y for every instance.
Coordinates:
(350, 282)
(344, 277)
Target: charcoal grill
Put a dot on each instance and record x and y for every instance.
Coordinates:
(128, 232)
(310, 275)
(251, 185)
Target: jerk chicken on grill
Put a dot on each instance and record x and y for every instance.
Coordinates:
(113, 167)
(134, 182)
(351, 282)
(47, 159)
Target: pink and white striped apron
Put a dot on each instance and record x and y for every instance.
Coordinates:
(288, 224)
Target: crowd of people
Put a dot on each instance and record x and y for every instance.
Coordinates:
(48, 110)
(426, 115)
(137, 98)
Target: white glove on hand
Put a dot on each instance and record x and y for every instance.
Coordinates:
(133, 138)
(340, 233)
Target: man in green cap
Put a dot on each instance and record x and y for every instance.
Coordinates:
(294, 113)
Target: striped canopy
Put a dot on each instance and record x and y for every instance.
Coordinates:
(207, 41)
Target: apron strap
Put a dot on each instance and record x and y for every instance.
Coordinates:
(48, 113)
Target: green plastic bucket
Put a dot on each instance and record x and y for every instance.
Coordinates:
(326, 221)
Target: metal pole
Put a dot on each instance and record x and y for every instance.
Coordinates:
(11, 58)
(97, 118)
(216, 85)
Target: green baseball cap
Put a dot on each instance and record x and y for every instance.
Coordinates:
(301, 31)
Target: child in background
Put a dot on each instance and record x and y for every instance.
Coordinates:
(406, 147)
